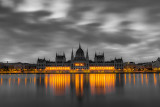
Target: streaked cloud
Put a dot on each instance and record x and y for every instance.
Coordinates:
(39, 28)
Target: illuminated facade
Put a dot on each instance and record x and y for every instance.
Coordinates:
(80, 61)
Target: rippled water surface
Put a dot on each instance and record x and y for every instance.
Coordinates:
(62, 90)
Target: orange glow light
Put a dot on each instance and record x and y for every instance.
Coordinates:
(1, 81)
(102, 83)
(19, 81)
(57, 68)
(78, 64)
(102, 68)
(79, 84)
(25, 81)
(155, 80)
(59, 83)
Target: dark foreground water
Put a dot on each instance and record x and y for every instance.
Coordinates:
(88, 90)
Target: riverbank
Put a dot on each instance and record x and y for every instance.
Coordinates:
(74, 72)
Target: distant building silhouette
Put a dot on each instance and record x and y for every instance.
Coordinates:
(156, 64)
(118, 63)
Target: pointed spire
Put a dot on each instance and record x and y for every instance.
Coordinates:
(95, 54)
(72, 50)
(63, 53)
(87, 56)
(103, 57)
(79, 45)
(72, 56)
(38, 59)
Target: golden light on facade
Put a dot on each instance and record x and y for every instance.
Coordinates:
(58, 68)
(92, 68)
(101, 68)
(156, 69)
(78, 64)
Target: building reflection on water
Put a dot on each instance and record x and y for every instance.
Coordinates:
(97, 83)
(102, 83)
(58, 83)
(79, 84)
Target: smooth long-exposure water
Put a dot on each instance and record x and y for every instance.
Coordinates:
(95, 90)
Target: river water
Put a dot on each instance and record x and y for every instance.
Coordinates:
(79, 90)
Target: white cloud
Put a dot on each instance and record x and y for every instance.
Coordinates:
(90, 16)
(30, 6)
(5, 59)
(19, 31)
(59, 8)
(111, 23)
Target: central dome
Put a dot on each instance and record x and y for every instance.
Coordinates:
(79, 52)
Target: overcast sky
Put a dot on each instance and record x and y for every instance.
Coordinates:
(39, 28)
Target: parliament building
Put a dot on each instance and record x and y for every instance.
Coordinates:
(80, 61)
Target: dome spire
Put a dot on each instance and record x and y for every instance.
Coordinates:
(79, 45)
(87, 56)
(72, 56)
(79, 52)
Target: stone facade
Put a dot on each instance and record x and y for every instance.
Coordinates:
(80, 61)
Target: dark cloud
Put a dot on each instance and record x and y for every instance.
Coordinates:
(118, 27)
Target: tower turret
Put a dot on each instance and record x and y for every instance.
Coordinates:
(72, 56)
(79, 45)
(95, 54)
(87, 56)
(64, 54)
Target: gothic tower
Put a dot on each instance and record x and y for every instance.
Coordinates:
(72, 56)
(87, 56)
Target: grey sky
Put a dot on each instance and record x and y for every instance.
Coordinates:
(38, 28)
